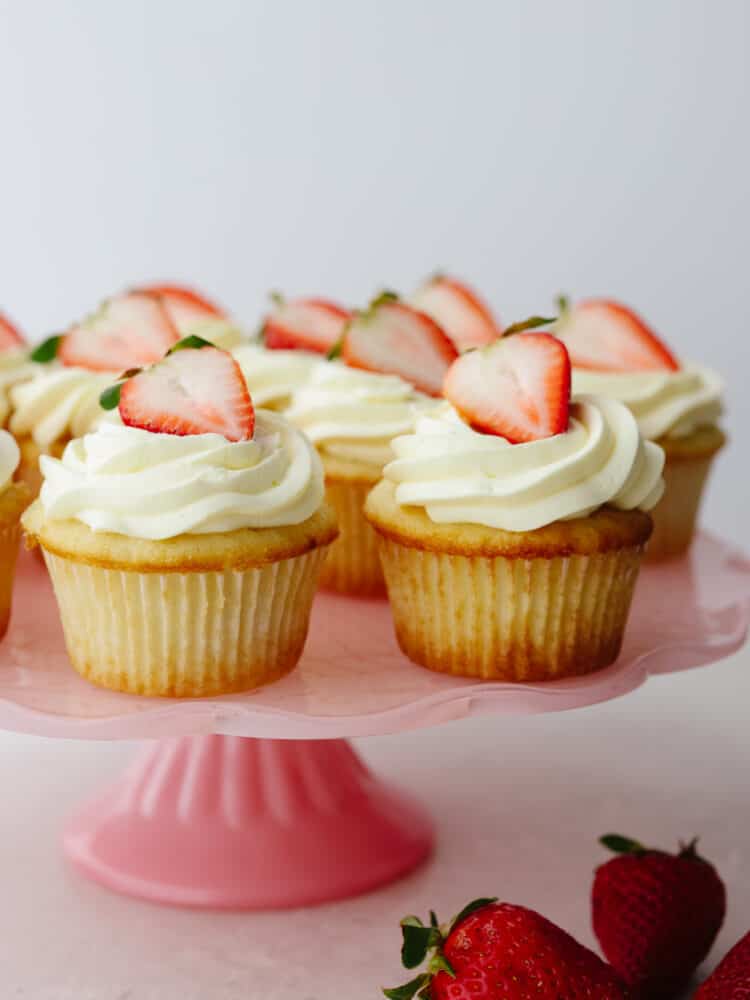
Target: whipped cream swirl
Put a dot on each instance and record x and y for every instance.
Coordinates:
(462, 476)
(58, 403)
(665, 403)
(354, 415)
(155, 486)
(15, 367)
(221, 332)
(10, 456)
(273, 376)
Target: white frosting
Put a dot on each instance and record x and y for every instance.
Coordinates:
(155, 486)
(665, 403)
(58, 402)
(462, 476)
(272, 376)
(10, 456)
(354, 415)
(15, 367)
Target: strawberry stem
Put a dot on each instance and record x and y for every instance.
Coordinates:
(528, 324)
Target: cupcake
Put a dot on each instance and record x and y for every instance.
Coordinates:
(61, 399)
(15, 364)
(351, 417)
(512, 521)
(184, 543)
(194, 315)
(14, 497)
(677, 405)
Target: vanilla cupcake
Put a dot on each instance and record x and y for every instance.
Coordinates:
(184, 543)
(515, 561)
(351, 417)
(14, 497)
(677, 405)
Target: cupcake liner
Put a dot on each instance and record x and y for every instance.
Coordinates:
(352, 565)
(509, 619)
(676, 515)
(10, 535)
(185, 634)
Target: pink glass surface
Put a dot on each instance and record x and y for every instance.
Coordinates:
(353, 680)
(234, 823)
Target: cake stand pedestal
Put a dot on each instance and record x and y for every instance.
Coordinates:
(256, 800)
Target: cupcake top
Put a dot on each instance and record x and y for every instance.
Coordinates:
(665, 403)
(464, 476)
(273, 376)
(15, 367)
(191, 456)
(615, 353)
(57, 403)
(354, 415)
(9, 458)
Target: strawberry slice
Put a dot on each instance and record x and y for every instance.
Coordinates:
(518, 387)
(393, 338)
(128, 331)
(606, 336)
(458, 309)
(191, 391)
(305, 325)
(185, 306)
(10, 336)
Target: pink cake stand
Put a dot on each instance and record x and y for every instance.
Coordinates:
(256, 800)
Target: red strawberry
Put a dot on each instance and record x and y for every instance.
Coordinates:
(518, 387)
(126, 332)
(497, 951)
(656, 915)
(731, 978)
(394, 339)
(458, 310)
(306, 325)
(194, 390)
(606, 336)
(185, 306)
(10, 336)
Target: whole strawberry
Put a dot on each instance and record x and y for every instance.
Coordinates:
(730, 980)
(656, 915)
(497, 951)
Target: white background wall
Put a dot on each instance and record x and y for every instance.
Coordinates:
(335, 146)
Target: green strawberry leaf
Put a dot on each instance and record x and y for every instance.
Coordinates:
(47, 350)
(193, 342)
(110, 398)
(621, 845)
(418, 940)
(477, 904)
(528, 324)
(336, 351)
(434, 920)
(277, 298)
(439, 963)
(408, 990)
(563, 305)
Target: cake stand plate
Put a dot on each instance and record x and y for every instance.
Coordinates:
(255, 800)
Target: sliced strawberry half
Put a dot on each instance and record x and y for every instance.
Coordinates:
(395, 339)
(466, 319)
(10, 336)
(191, 391)
(606, 336)
(305, 325)
(185, 306)
(128, 331)
(518, 387)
